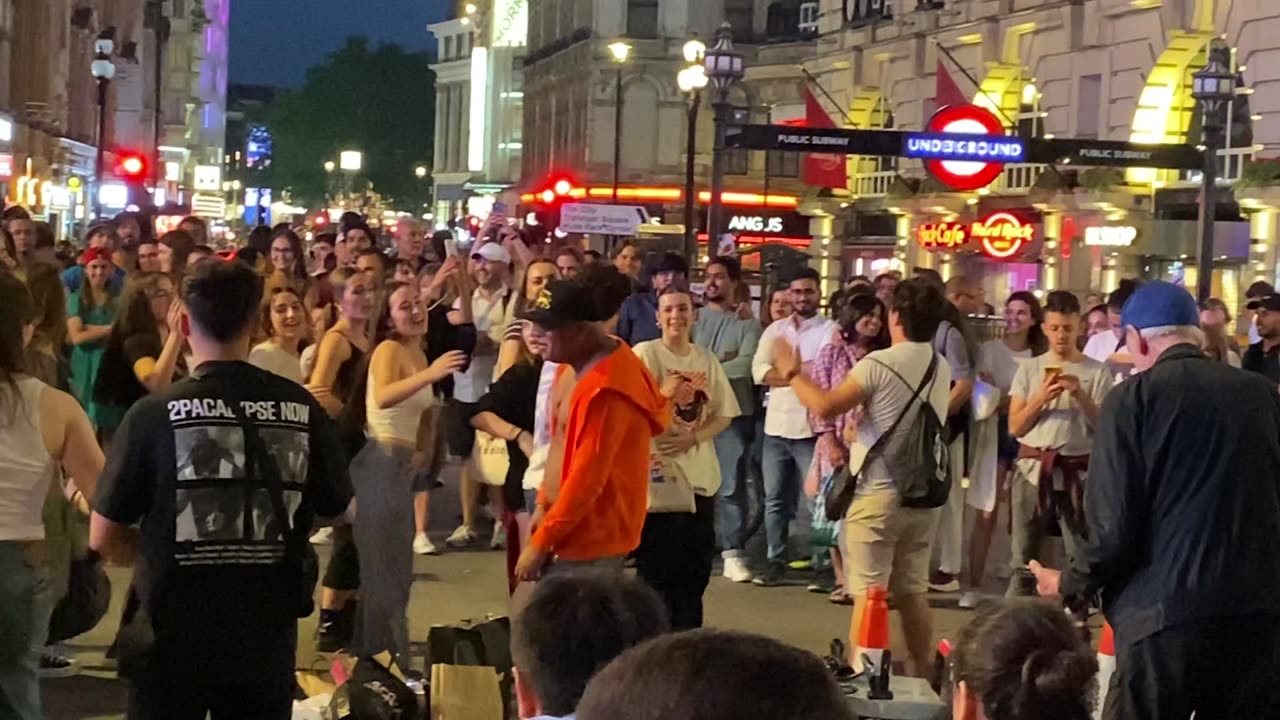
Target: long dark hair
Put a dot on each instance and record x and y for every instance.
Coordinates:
(1036, 339)
(298, 273)
(19, 310)
(856, 307)
(1024, 659)
(180, 244)
(50, 304)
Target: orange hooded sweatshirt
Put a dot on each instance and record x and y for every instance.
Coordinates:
(603, 489)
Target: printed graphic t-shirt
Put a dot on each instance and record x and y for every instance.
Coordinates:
(704, 392)
(209, 570)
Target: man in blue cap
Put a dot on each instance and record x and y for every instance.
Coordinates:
(1183, 510)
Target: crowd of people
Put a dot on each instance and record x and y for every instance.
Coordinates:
(209, 419)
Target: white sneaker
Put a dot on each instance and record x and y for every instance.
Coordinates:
(736, 570)
(422, 545)
(461, 537)
(323, 536)
(969, 600)
(499, 540)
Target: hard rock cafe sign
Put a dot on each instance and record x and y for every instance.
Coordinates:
(1000, 236)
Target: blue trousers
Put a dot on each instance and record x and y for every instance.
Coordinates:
(784, 464)
(24, 624)
(732, 447)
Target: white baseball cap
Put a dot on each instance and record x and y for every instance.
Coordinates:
(493, 252)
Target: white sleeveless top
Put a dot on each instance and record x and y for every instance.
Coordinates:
(399, 422)
(26, 468)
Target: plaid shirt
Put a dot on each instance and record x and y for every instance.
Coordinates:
(834, 363)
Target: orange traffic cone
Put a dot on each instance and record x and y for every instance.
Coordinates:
(873, 630)
(1106, 666)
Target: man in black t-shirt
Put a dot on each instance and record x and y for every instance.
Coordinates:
(217, 628)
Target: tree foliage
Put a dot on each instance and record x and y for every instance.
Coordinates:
(378, 101)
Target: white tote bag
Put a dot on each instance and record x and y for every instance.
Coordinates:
(490, 457)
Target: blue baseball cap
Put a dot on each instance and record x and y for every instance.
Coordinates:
(1160, 304)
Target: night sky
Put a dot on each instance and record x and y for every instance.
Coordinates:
(273, 42)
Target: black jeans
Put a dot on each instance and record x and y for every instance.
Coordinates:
(169, 700)
(1219, 668)
(674, 558)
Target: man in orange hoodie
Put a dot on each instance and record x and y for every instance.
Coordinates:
(592, 511)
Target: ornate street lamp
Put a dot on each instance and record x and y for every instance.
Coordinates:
(724, 68)
(103, 70)
(619, 51)
(1214, 87)
(691, 80)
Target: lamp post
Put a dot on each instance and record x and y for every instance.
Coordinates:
(692, 79)
(103, 70)
(420, 172)
(619, 51)
(723, 66)
(328, 183)
(1213, 86)
(350, 162)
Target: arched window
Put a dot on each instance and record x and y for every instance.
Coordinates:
(1030, 120)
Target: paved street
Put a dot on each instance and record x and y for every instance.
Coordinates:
(472, 584)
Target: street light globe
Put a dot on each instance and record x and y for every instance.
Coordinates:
(470, 8)
(329, 166)
(691, 78)
(694, 49)
(620, 51)
(722, 62)
(102, 69)
(420, 171)
(350, 160)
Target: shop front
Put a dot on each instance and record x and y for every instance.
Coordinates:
(1002, 250)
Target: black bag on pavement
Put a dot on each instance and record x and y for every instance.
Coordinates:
(375, 693)
(486, 644)
(86, 601)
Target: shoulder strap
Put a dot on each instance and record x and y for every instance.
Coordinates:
(915, 395)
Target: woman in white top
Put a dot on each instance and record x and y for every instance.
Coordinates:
(284, 320)
(396, 392)
(994, 448)
(677, 544)
(41, 431)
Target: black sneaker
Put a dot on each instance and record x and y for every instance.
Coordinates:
(336, 629)
(824, 582)
(774, 575)
(53, 665)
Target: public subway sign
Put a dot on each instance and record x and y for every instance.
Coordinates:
(1110, 236)
(954, 156)
(1000, 236)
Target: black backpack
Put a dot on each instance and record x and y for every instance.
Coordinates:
(919, 460)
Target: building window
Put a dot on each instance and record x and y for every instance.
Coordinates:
(782, 164)
(809, 14)
(740, 14)
(737, 162)
(178, 9)
(1030, 120)
(642, 18)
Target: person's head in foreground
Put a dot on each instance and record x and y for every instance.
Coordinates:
(1158, 316)
(714, 675)
(572, 626)
(1022, 659)
(221, 300)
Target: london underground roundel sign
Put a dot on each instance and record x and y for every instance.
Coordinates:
(965, 120)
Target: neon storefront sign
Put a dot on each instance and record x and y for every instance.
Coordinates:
(1000, 236)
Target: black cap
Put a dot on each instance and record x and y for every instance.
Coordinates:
(560, 303)
(1266, 302)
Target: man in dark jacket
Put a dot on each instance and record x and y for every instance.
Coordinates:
(1183, 510)
(638, 319)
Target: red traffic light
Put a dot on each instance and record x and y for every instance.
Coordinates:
(322, 219)
(132, 166)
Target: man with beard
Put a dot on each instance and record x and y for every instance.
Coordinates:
(1263, 357)
(788, 439)
(721, 329)
(637, 321)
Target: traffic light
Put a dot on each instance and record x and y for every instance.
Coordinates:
(132, 167)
